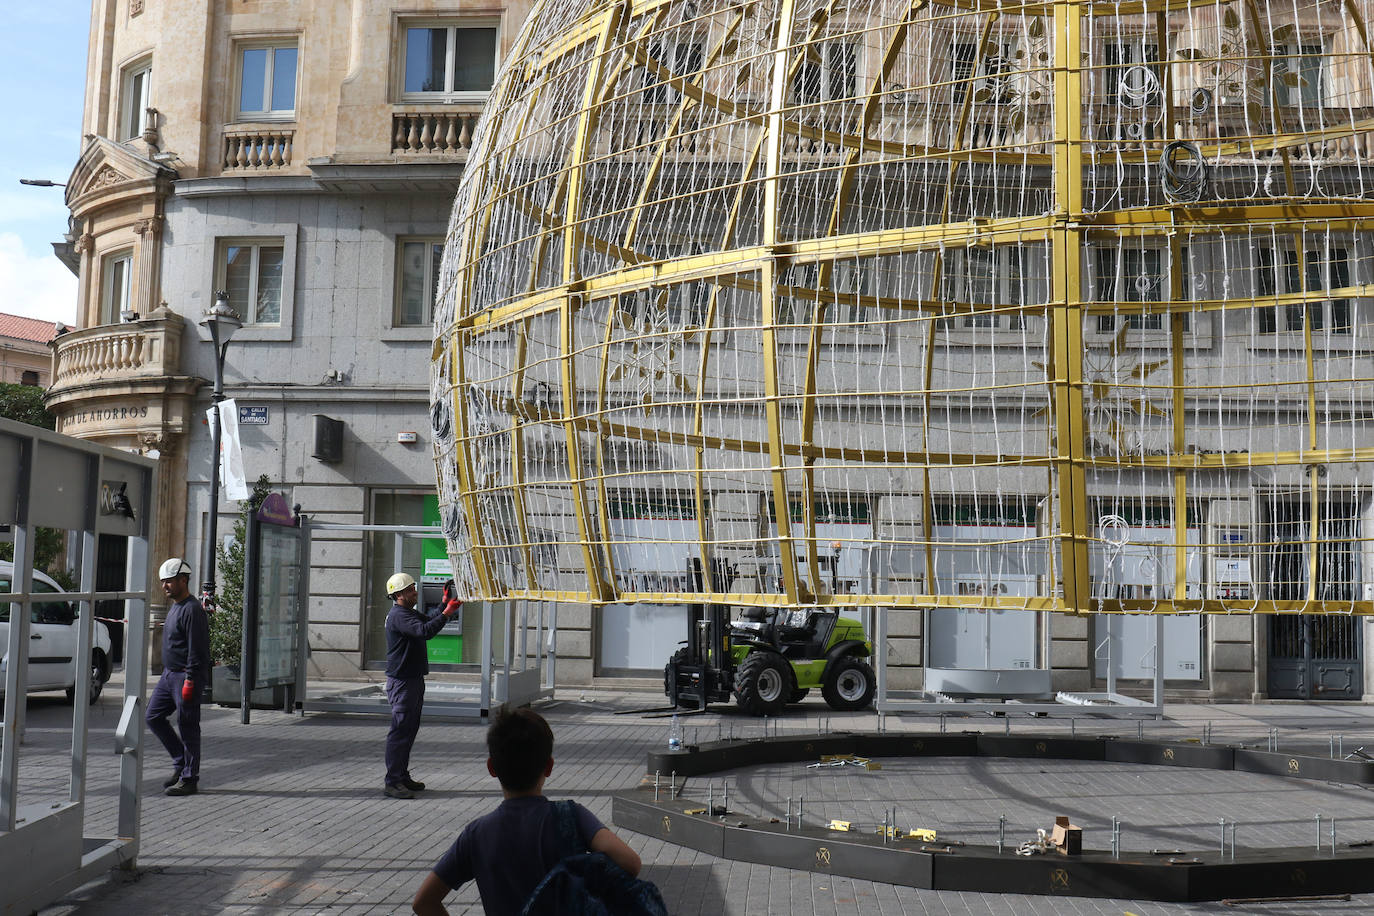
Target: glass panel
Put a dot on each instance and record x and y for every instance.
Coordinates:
(253, 80)
(116, 289)
(806, 83)
(411, 309)
(426, 50)
(1310, 75)
(389, 508)
(133, 121)
(843, 63)
(436, 257)
(474, 68)
(1338, 277)
(238, 277)
(268, 309)
(962, 56)
(284, 79)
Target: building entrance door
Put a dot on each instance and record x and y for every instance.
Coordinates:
(1314, 658)
(1311, 657)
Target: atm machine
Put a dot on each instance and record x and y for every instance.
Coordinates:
(446, 648)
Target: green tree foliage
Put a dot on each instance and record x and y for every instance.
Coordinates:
(24, 404)
(226, 624)
(47, 548)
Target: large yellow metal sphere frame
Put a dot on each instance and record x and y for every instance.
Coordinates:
(1055, 305)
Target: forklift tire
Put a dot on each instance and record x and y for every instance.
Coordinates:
(669, 679)
(763, 683)
(848, 684)
(798, 695)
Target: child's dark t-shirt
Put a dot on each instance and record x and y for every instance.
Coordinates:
(509, 851)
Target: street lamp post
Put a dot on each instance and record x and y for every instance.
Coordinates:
(221, 321)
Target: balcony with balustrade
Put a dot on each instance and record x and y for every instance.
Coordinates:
(122, 383)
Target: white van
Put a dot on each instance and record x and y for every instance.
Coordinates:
(52, 640)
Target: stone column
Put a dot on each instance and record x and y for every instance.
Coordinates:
(86, 316)
(145, 297)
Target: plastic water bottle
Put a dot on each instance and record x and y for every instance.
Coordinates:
(675, 734)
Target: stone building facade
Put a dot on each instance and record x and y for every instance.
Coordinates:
(24, 357)
(304, 158)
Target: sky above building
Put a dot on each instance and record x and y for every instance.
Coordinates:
(43, 70)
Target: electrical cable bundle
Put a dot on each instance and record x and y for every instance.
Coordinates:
(1200, 102)
(1139, 86)
(1185, 172)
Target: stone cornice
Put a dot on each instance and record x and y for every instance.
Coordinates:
(97, 392)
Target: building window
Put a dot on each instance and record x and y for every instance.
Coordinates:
(250, 270)
(680, 59)
(134, 95)
(1318, 270)
(1300, 74)
(828, 77)
(417, 280)
(962, 56)
(987, 276)
(1130, 275)
(116, 283)
(448, 61)
(1122, 58)
(28, 377)
(267, 82)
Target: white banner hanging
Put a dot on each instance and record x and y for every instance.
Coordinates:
(230, 452)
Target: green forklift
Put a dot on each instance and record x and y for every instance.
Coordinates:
(769, 658)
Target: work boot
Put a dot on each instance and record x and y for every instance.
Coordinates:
(182, 787)
(171, 780)
(413, 785)
(398, 791)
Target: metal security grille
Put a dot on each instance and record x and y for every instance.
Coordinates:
(1313, 657)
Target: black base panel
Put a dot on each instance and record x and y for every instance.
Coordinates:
(1208, 757)
(1204, 876)
(829, 853)
(1088, 875)
(887, 744)
(667, 822)
(1351, 771)
(1031, 746)
(711, 757)
(1264, 873)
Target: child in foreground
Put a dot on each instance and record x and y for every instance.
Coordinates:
(509, 851)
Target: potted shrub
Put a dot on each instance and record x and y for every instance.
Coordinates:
(226, 623)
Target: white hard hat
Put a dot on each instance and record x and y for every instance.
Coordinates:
(174, 567)
(399, 583)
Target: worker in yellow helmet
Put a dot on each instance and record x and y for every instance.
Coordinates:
(407, 663)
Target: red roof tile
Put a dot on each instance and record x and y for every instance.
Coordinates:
(26, 328)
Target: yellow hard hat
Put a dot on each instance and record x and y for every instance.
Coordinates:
(399, 583)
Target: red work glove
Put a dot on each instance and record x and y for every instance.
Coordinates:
(451, 607)
(188, 689)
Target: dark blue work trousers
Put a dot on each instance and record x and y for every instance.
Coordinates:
(166, 699)
(407, 698)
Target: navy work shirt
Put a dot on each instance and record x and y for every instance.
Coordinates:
(510, 850)
(406, 634)
(186, 638)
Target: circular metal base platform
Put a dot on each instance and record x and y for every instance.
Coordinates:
(772, 835)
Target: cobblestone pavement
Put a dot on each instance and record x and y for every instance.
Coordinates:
(291, 818)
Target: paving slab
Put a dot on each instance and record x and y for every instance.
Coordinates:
(291, 818)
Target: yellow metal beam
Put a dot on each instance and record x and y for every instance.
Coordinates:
(592, 552)
(1066, 321)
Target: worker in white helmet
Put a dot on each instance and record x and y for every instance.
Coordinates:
(407, 663)
(185, 672)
